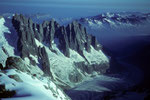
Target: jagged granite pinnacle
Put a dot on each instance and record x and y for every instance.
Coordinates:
(73, 36)
(53, 48)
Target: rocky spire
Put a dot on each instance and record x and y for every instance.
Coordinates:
(35, 38)
(73, 36)
(26, 42)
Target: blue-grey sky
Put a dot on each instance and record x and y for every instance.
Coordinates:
(81, 2)
(83, 6)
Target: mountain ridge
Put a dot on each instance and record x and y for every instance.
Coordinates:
(53, 48)
(115, 20)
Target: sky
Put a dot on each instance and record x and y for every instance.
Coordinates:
(84, 2)
(77, 6)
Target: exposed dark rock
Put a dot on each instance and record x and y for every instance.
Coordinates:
(63, 40)
(45, 61)
(75, 77)
(100, 67)
(76, 36)
(5, 51)
(93, 67)
(84, 67)
(28, 32)
(38, 31)
(32, 61)
(17, 63)
(95, 44)
(26, 42)
(88, 43)
(6, 93)
(15, 77)
(72, 36)
(1, 66)
(49, 31)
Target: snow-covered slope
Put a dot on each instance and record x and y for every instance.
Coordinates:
(5, 48)
(64, 69)
(29, 87)
(25, 85)
(49, 63)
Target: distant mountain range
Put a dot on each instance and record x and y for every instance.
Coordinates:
(116, 19)
(48, 56)
(132, 18)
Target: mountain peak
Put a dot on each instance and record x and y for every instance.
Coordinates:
(73, 36)
(53, 48)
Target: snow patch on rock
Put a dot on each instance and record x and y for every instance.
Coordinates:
(5, 49)
(95, 56)
(62, 66)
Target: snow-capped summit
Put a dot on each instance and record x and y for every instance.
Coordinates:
(115, 19)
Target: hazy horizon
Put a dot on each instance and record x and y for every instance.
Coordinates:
(73, 8)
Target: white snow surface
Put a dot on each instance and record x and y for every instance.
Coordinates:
(5, 49)
(95, 56)
(62, 66)
(32, 88)
(35, 58)
(107, 23)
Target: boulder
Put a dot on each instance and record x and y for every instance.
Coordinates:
(15, 77)
(17, 63)
(4, 93)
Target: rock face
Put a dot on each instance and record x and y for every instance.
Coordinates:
(45, 61)
(4, 93)
(1, 66)
(73, 36)
(26, 41)
(16, 74)
(27, 32)
(93, 67)
(17, 63)
(37, 41)
(15, 77)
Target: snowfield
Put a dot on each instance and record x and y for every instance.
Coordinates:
(41, 87)
(95, 56)
(31, 87)
(62, 66)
